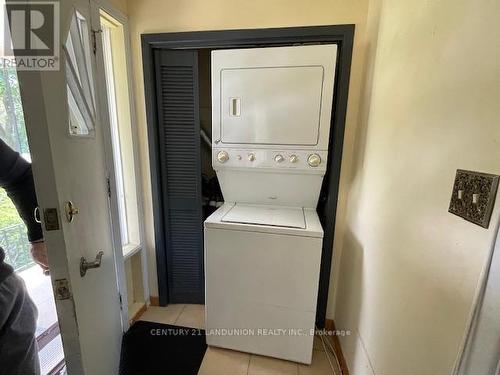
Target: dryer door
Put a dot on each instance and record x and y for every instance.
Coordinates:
(280, 96)
(273, 105)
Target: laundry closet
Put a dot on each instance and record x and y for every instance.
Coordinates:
(262, 163)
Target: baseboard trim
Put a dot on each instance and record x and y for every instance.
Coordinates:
(138, 314)
(154, 300)
(330, 326)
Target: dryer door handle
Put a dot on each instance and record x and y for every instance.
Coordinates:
(234, 107)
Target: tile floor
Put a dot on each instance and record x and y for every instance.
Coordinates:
(222, 361)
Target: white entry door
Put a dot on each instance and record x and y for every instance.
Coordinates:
(66, 120)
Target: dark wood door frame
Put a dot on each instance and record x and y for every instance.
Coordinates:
(343, 36)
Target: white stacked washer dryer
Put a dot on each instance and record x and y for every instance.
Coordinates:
(271, 110)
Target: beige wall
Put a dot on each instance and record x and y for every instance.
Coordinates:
(408, 268)
(150, 16)
(120, 5)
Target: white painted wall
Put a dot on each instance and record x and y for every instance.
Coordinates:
(408, 270)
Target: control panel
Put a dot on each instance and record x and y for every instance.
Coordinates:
(303, 160)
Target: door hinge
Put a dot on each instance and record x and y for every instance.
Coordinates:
(94, 39)
(121, 301)
(108, 186)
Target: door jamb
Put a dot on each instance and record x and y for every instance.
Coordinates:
(343, 36)
(107, 7)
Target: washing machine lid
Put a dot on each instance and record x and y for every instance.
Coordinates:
(312, 224)
(275, 216)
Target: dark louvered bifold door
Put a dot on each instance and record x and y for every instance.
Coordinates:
(179, 141)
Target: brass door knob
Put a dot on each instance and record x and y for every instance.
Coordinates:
(70, 210)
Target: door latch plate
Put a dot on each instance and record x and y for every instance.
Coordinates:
(51, 219)
(61, 289)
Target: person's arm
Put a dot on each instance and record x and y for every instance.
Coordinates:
(16, 178)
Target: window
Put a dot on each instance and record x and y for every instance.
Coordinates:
(79, 76)
(119, 104)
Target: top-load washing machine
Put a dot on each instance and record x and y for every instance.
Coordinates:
(271, 111)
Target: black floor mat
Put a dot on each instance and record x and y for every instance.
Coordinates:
(160, 349)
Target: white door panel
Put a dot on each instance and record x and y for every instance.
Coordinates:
(72, 166)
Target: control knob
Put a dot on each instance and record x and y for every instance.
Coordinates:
(294, 158)
(314, 160)
(251, 157)
(279, 158)
(222, 156)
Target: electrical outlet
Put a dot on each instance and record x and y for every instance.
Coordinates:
(473, 196)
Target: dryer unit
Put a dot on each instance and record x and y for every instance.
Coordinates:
(271, 111)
